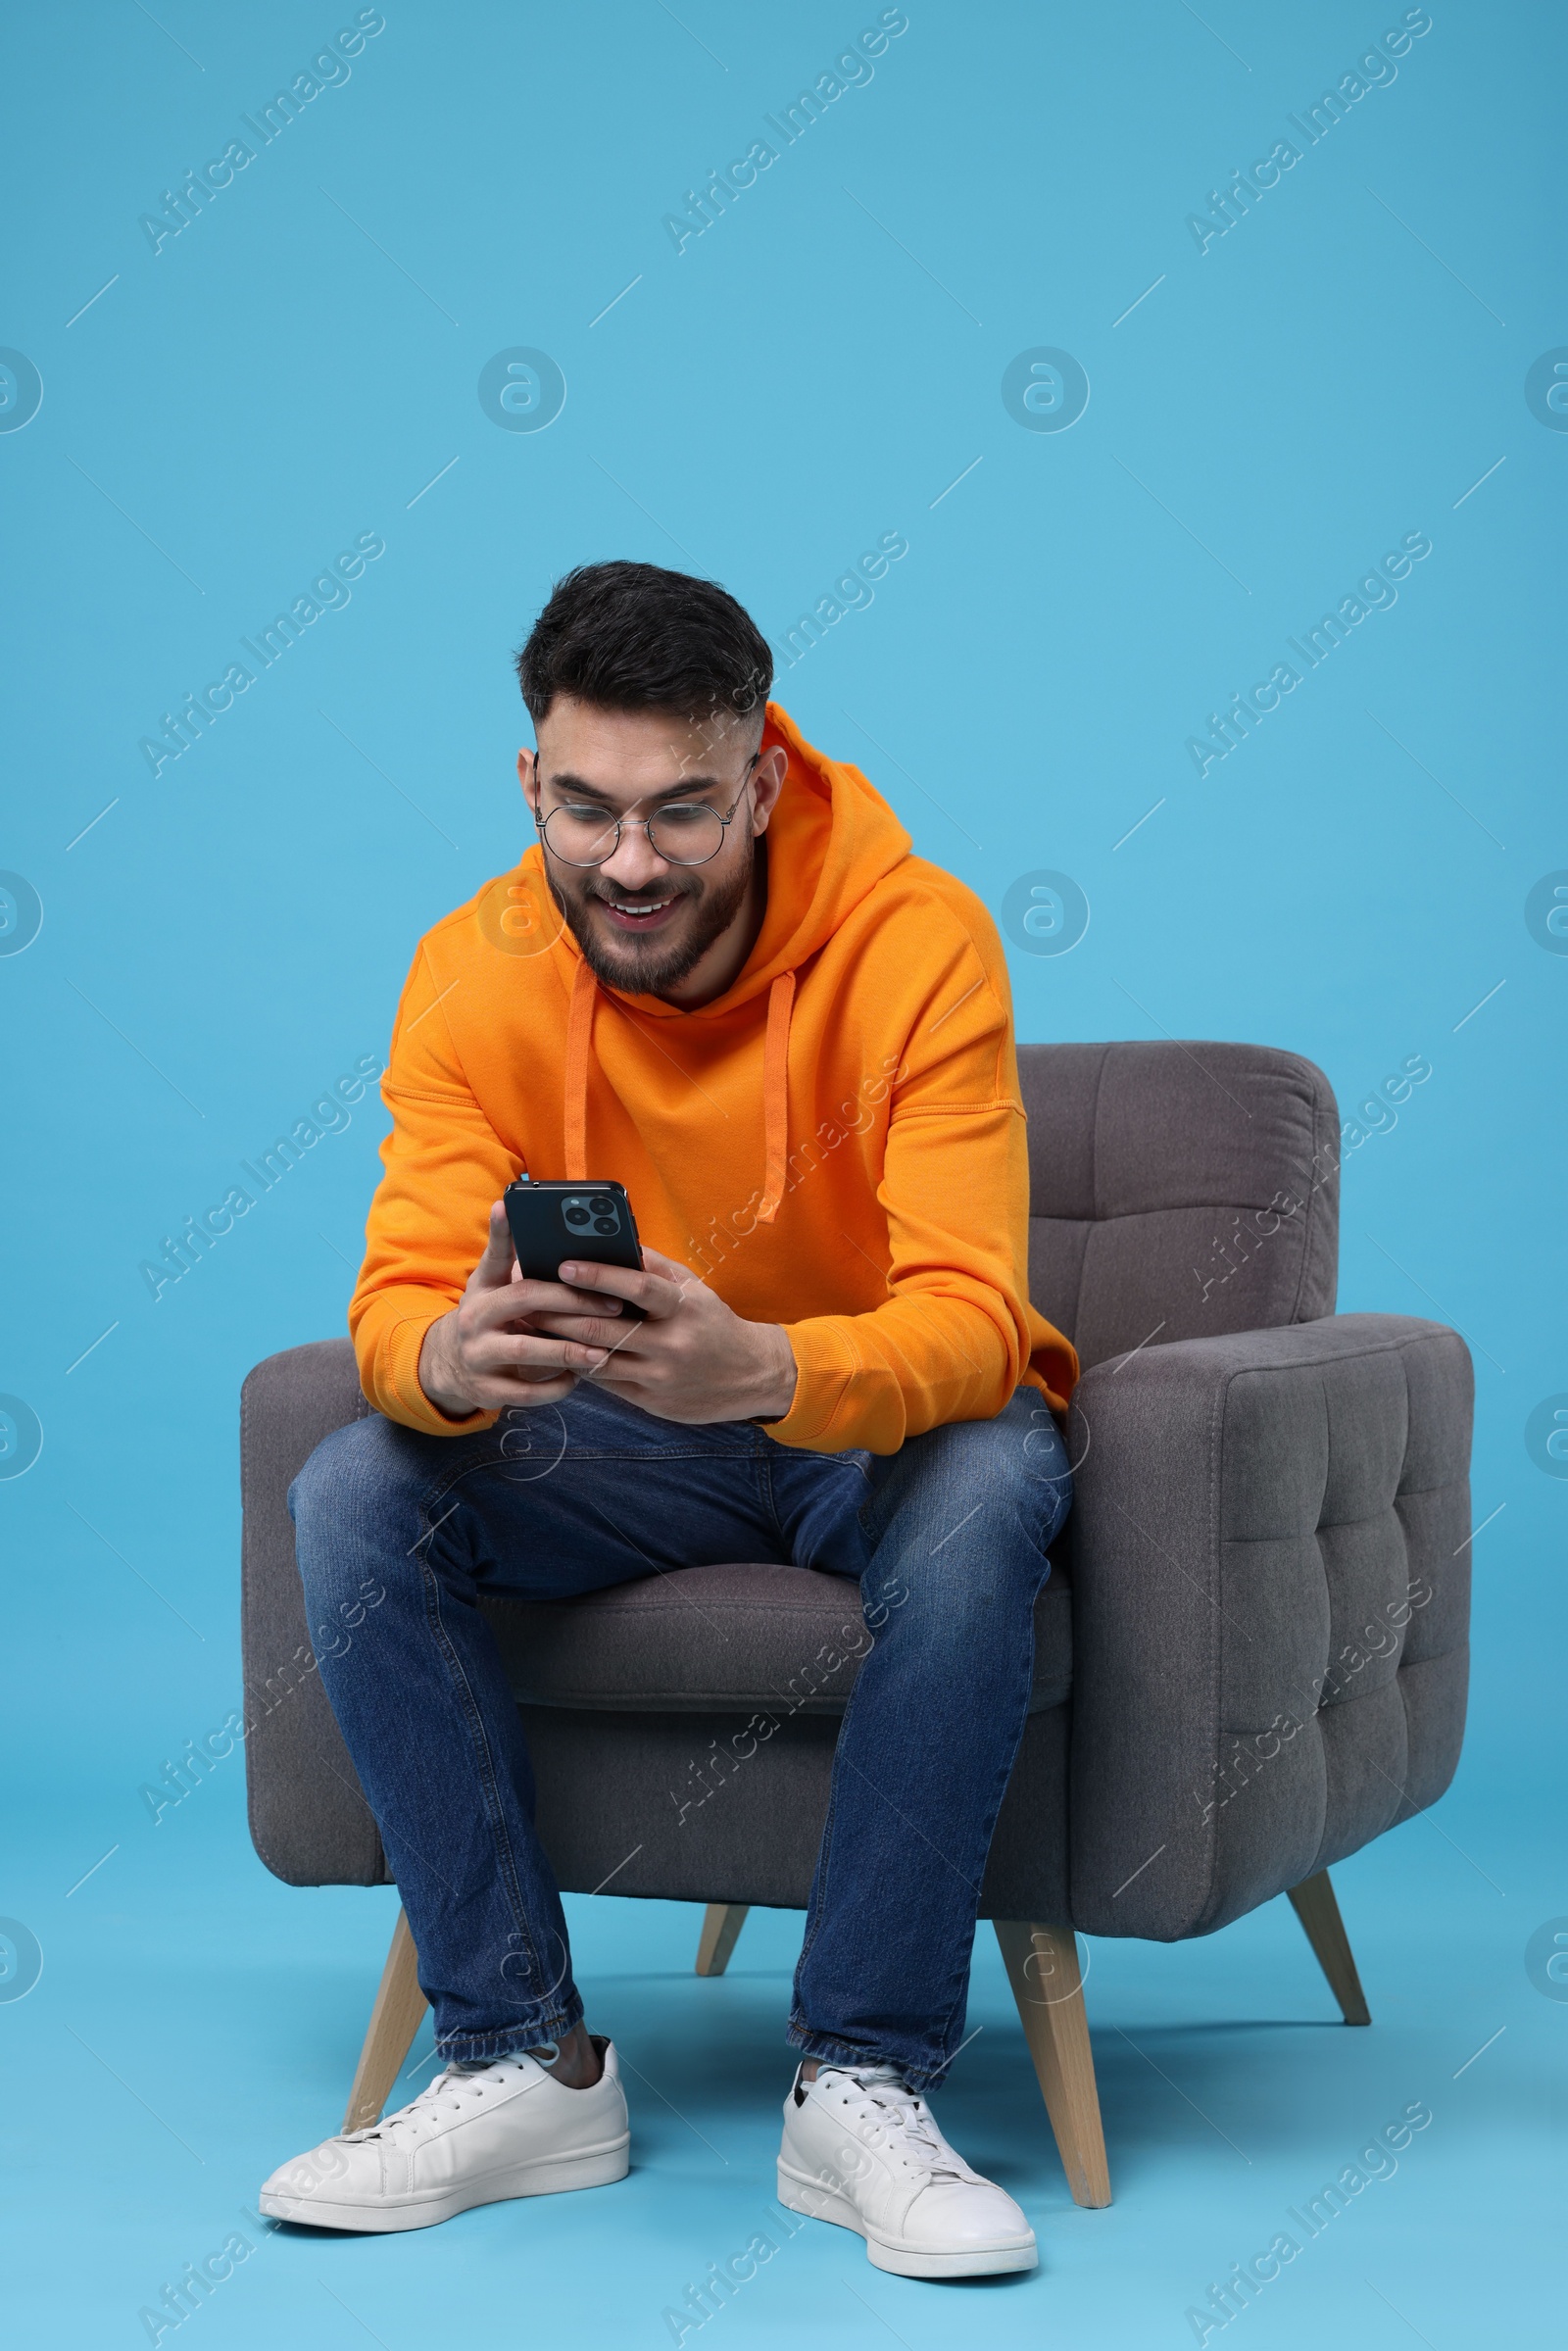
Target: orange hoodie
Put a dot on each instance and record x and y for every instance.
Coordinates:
(836, 1144)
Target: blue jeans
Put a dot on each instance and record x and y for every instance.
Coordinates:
(947, 1539)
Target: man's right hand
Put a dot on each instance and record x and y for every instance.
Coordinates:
(485, 1353)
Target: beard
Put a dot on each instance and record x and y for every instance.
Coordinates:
(652, 965)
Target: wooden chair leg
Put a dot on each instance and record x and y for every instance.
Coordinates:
(394, 2021)
(722, 1924)
(1314, 1904)
(1043, 1969)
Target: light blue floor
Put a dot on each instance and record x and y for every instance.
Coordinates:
(196, 2023)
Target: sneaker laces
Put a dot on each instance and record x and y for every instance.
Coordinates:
(452, 2091)
(910, 2127)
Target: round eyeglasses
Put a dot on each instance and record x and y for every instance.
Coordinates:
(682, 833)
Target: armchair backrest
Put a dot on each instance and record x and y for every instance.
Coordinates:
(1178, 1191)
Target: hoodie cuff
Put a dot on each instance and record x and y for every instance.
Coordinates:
(391, 1381)
(825, 1361)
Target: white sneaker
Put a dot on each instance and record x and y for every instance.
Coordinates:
(511, 2129)
(861, 2150)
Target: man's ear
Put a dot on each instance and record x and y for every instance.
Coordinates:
(767, 782)
(528, 778)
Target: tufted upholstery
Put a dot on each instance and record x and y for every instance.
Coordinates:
(1272, 1599)
(1188, 1189)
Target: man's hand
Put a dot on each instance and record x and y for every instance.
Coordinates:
(488, 1351)
(691, 1359)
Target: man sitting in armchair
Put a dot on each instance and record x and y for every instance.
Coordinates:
(719, 978)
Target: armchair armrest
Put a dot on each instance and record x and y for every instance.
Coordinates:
(309, 1820)
(1271, 1610)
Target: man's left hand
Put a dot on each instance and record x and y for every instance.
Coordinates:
(691, 1359)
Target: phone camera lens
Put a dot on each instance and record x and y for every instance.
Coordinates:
(604, 1224)
(575, 1216)
(602, 1207)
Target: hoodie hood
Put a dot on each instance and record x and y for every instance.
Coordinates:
(831, 838)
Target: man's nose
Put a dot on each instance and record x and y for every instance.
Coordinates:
(635, 861)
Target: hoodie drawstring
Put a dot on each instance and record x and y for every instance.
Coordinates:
(775, 1083)
(775, 1095)
(579, 1037)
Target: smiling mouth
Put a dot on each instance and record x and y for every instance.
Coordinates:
(640, 913)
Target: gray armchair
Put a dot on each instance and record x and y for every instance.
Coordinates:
(1250, 1658)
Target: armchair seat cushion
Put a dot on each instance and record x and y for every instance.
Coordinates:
(722, 1639)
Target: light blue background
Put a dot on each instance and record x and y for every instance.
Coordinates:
(293, 370)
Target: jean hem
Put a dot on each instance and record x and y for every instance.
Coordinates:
(471, 2048)
(828, 2051)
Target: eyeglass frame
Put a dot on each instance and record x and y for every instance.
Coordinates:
(643, 823)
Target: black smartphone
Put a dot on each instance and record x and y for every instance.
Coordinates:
(555, 1220)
